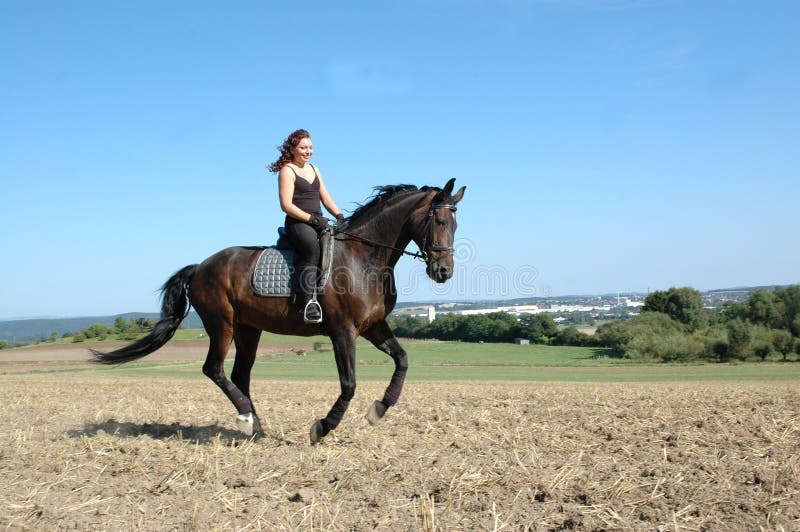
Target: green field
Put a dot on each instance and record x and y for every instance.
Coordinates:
(457, 361)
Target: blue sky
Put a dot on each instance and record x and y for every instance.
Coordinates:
(606, 145)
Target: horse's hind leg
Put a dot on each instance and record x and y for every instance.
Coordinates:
(383, 338)
(246, 339)
(220, 334)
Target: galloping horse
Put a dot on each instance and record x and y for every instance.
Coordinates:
(356, 301)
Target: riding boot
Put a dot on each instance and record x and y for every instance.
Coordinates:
(306, 288)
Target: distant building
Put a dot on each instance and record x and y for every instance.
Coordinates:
(626, 302)
(431, 314)
(516, 310)
(522, 341)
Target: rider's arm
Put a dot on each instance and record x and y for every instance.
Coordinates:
(326, 198)
(286, 192)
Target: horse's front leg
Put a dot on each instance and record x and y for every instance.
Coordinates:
(344, 348)
(246, 339)
(383, 338)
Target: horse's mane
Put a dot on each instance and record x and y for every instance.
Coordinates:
(380, 197)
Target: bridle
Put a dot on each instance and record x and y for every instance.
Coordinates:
(448, 250)
(424, 253)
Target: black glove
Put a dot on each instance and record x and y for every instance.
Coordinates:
(340, 219)
(319, 222)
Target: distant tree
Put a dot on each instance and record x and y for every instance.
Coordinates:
(537, 328)
(686, 306)
(789, 298)
(53, 337)
(410, 327)
(446, 327)
(474, 328)
(722, 350)
(143, 324)
(681, 304)
(783, 342)
(97, 330)
(503, 327)
(762, 350)
(120, 325)
(718, 346)
(730, 310)
(761, 342)
(656, 302)
(765, 309)
(740, 334)
(3, 344)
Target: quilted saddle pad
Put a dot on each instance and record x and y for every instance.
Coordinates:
(272, 275)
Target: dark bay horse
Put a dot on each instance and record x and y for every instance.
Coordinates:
(358, 297)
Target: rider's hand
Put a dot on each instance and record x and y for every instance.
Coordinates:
(339, 220)
(319, 222)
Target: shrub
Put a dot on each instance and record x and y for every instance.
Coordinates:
(620, 336)
(717, 344)
(670, 346)
(571, 336)
(762, 342)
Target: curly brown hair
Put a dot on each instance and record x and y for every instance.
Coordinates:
(291, 141)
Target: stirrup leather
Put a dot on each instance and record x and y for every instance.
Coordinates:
(312, 304)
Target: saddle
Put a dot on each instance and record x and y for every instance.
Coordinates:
(272, 272)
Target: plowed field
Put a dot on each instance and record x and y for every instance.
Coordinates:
(83, 451)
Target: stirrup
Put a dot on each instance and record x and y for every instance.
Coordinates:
(312, 305)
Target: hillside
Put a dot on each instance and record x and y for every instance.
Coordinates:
(38, 329)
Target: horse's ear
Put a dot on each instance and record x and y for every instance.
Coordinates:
(448, 188)
(458, 195)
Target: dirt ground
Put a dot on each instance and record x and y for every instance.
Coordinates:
(71, 356)
(87, 452)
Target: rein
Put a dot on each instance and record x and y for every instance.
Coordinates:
(424, 254)
(415, 254)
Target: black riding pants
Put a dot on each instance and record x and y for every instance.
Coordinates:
(305, 240)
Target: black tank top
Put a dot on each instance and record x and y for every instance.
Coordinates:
(306, 195)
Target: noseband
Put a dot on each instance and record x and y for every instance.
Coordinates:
(448, 250)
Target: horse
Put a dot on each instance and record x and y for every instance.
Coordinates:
(356, 300)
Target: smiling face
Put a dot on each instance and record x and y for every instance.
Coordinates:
(302, 153)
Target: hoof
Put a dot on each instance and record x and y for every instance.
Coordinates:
(316, 433)
(376, 411)
(244, 422)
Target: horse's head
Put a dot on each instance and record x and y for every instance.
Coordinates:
(438, 233)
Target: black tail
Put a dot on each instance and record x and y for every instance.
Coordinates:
(174, 308)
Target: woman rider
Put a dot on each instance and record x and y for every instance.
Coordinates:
(300, 188)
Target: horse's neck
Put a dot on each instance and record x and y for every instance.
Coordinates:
(391, 227)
